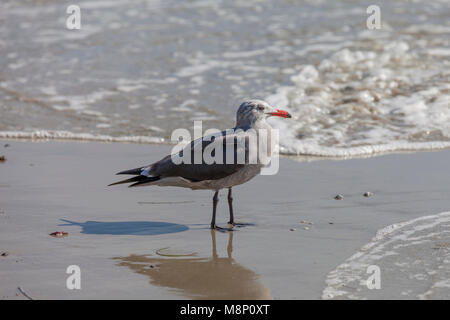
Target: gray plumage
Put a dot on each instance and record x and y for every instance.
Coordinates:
(236, 145)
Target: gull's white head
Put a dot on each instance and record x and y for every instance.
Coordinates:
(251, 111)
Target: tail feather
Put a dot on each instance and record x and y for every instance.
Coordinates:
(144, 181)
(138, 180)
(136, 171)
(140, 177)
(134, 179)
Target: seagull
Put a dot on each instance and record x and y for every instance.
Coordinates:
(233, 166)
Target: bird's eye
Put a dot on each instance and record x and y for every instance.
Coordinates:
(260, 108)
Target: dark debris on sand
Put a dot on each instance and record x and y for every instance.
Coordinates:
(59, 234)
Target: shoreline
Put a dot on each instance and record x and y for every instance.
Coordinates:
(114, 234)
(327, 153)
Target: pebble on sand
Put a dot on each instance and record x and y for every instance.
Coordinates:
(292, 229)
(339, 197)
(4, 254)
(2, 158)
(367, 194)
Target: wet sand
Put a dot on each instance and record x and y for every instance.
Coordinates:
(118, 236)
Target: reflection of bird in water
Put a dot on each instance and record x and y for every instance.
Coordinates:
(201, 278)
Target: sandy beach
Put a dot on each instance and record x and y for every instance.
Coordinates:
(357, 92)
(154, 243)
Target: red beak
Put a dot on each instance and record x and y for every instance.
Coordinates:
(281, 113)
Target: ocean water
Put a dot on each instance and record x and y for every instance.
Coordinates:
(137, 70)
(413, 259)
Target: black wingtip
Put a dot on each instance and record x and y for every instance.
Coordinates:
(138, 180)
(136, 171)
(144, 181)
(134, 179)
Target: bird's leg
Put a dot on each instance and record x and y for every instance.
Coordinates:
(215, 201)
(230, 205)
(213, 220)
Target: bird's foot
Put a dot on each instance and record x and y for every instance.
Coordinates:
(240, 224)
(221, 229)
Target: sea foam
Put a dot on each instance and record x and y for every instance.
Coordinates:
(414, 261)
(66, 135)
(361, 102)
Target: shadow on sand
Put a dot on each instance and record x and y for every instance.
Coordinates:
(138, 228)
(200, 278)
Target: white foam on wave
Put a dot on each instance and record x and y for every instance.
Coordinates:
(78, 102)
(364, 102)
(312, 149)
(413, 258)
(66, 135)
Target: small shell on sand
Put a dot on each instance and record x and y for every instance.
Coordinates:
(306, 222)
(59, 234)
(306, 228)
(4, 254)
(339, 197)
(367, 194)
(292, 229)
